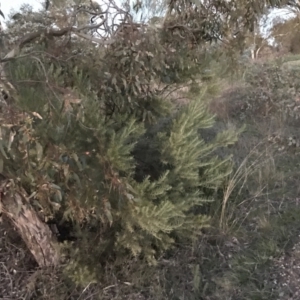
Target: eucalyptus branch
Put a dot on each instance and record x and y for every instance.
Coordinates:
(55, 33)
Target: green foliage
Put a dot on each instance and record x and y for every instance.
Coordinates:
(94, 141)
(276, 89)
(80, 165)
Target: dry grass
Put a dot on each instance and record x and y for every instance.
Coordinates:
(254, 164)
(16, 263)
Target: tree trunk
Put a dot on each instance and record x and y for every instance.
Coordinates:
(35, 233)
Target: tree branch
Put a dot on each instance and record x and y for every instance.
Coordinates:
(56, 33)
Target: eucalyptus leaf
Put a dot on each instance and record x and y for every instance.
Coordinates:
(2, 149)
(12, 134)
(39, 150)
(77, 179)
(79, 165)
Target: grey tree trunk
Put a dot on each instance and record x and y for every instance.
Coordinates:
(36, 234)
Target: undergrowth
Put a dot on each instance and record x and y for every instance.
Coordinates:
(255, 220)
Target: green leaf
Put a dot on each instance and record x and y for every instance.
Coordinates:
(54, 186)
(39, 151)
(79, 165)
(107, 211)
(77, 179)
(2, 149)
(11, 139)
(58, 196)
